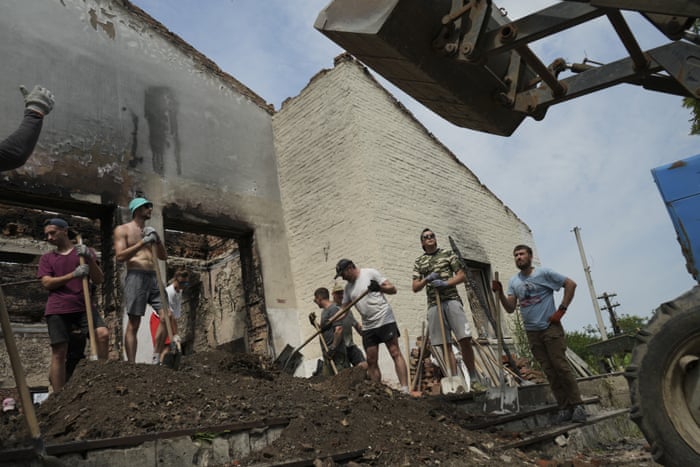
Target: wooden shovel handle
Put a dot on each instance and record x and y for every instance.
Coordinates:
(499, 336)
(419, 365)
(24, 395)
(325, 348)
(448, 361)
(336, 317)
(163, 296)
(88, 307)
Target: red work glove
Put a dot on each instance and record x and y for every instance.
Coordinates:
(558, 315)
(496, 286)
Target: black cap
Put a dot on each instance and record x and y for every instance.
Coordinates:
(340, 267)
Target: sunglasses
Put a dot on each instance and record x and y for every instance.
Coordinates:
(428, 236)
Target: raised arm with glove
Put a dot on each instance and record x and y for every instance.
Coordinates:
(16, 148)
(39, 100)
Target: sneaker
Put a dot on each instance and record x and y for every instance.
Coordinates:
(564, 415)
(155, 359)
(579, 414)
(478, 387)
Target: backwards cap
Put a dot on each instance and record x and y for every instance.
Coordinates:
(136, 203)
(340, 267)
(57, 221)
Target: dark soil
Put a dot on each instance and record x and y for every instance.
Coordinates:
(328, 415)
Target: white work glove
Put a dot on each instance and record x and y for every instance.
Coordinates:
(81, 271)
(40, 100)
(176, 339)
(150, 235)
(82, 250)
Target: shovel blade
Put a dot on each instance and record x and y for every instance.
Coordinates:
(502, 400)
(453, 385)
(172, 359)
(289, 359)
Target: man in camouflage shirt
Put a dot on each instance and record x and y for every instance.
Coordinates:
(441, 270)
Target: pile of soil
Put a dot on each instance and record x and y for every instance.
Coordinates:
(328, 415)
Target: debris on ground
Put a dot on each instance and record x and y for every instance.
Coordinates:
(108, 399)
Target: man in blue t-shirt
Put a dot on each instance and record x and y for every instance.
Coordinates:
(534, 289)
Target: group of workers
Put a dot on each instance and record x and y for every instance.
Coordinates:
(71, 268)
(63, 270)
(439, 271)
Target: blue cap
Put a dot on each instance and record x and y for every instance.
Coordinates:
(58, 222)
(136, 203)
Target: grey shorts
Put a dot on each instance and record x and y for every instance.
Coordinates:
(454, 318)
(61, 326)
(141, 289)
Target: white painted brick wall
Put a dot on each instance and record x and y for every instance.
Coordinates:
(360, 178)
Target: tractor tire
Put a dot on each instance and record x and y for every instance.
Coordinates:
(662, 377)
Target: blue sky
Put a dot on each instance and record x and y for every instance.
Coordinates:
(587, 164)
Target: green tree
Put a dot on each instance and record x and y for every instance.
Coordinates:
(578, 341)
(630, 324)
(694, 105)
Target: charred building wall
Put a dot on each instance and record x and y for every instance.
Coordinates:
(140, 112)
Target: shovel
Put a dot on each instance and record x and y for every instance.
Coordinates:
(419, 365)
(506, 395)
(24, 394)
(172, 358)
(450, 384)
(312, 320)
(338, 316)
(88, 308)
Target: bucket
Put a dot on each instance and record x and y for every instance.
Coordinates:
(39, 394)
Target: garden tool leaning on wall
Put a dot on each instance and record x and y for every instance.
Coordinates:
(507, 396)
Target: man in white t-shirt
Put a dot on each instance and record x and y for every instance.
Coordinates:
(174, 292)
(378, 322)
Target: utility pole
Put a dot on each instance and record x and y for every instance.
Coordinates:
(587, 270)
(610, 307)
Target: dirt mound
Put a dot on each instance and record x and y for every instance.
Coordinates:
(328, 415)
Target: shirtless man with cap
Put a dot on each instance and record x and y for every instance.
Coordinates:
(133, 245)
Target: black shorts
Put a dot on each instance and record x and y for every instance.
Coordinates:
(355, 355)
(61, 326)
(382, 334)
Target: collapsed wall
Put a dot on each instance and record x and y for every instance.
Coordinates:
(140, 112)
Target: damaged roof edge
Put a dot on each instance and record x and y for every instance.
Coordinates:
(197, 56)
(347, 57)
